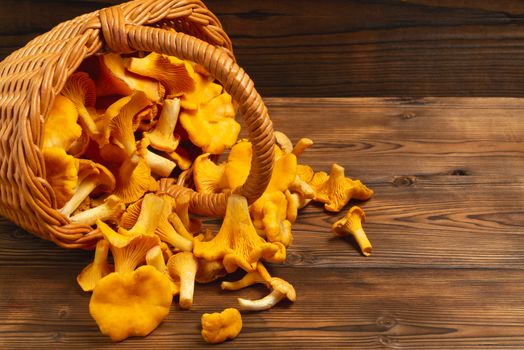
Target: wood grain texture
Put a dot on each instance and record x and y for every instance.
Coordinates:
(344, 47)
(446, 223)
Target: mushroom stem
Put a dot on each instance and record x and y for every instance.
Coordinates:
(82, 191)
(363, 241)
(150, 212)
(111, 208)
(169, 117)
(101, 252)
(179, 226)
(158, 164)
(129, 165)
(178, 241)
(155, 258)
(301, 146)
(187, 287)
(265, 303)
(260, 275)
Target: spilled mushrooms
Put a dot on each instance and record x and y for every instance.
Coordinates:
(121, 132)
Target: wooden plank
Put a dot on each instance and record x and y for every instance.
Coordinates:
(343, 307)
(446, 223)
(343, 47)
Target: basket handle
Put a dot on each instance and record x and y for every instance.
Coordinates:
(123, 37)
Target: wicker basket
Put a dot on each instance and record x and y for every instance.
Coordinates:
(31, 77)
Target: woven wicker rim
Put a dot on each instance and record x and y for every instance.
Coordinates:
(31, 77)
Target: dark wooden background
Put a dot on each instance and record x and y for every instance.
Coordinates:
(345, 47)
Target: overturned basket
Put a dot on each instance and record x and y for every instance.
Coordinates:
(31, 77)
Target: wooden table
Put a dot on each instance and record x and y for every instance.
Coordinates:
(446, 223)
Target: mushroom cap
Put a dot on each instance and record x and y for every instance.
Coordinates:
(283, 287)
(106, 181)
(212, 126)
(283, 141)
(180, 263)
(114, 79)
(237, 242)
(61, 173)
(336, 190)
(173, 75)
(217, 327)
(131, 187)
(208, 176)
(239, 164)
(208, 271)
(61, 128)
(351, 222)
(131, 304)
(305, 172)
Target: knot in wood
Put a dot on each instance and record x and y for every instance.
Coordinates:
(113, 24)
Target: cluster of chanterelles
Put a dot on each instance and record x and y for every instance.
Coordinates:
(119, 126)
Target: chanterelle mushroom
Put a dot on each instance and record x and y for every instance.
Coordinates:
(183, 267)
(162, 137)
(95, 271)
(260, 275)
(132, 303)
(217, 327)
(61, 173)
(336, 190)
(110, 210)
(351, 224)
(280, 290)
(61, 128)
(155, 258)
(173, 75)
(237, 242)
(92, 176)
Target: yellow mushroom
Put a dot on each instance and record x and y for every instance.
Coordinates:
(162, 137)
(239, 163)
(128, 251)
(269, 214)
(134, 179)
(181, 157)
(171, 74)
(61, 173)
(208, 271)
(111, 210)
(204, 91)
(208, 176)
(260, 275)
(336, 190)
(159, 165)
(283, 141)
(217, 327)
(280, 289)
(212, 126)
(115, 80)
(151, 211)
(121, 126)
(167, 232)
(179, 226)
(182, 267)
(94, 179)
(155, 258)
(351, 224)
(61, 128)
(132, 303)
(192, 225)
(81, 90)
(237, 243)
(301, 146)
(95, 271)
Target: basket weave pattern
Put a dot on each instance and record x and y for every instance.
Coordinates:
(31, 77)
